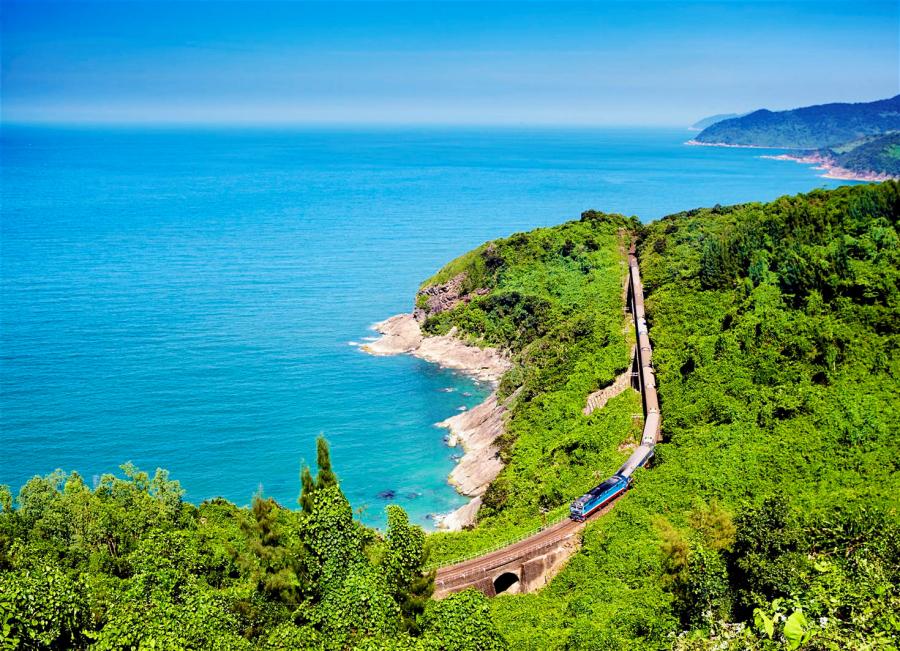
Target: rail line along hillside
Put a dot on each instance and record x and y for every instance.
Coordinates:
(528, 563)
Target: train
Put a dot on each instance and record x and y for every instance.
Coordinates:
(610, 489)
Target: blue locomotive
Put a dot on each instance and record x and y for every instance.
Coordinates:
(597, 497)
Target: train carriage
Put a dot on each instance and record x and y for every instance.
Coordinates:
(638, 459)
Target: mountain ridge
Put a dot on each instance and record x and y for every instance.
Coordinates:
(808, 127)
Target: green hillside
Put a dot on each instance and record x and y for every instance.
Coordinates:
(768, 519)
(774, 496)
(810, 127)
(554, 299)
(880, 155)
(773, 502)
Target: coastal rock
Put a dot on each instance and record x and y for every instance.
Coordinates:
(401, 334)
(443, 297)
(828, 164)
(460, 518)
(449, 351)
(477, 430)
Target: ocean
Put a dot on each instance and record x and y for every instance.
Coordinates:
(194, 299)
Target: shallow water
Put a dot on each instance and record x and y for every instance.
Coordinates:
(187, 299)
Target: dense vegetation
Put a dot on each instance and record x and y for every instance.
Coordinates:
(773, 502)
(769, 518)
(128, 565)
(810, 127)
(880, 155)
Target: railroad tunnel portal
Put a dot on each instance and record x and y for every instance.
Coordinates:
(507, 582)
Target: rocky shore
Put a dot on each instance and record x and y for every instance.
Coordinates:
(822, 162)
(401, 334)
(831, 169)
(475, 430)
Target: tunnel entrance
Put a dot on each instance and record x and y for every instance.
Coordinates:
(506, 582)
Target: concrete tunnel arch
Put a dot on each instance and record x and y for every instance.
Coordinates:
(506, 582)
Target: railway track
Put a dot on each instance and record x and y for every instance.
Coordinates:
(468, 572)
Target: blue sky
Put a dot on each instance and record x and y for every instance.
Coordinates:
(560, 63)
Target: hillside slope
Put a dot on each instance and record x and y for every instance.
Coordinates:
(880, 155)
(554, 298)
(810, 127)
(774, 495)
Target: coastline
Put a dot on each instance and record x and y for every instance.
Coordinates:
(697, 143)
(475, 430)
(823, 163)
(831, 170)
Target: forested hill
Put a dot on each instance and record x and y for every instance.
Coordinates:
(880, 155)
(811, 127)
(770, 516)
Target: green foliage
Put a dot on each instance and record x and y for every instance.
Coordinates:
(775, 489)
(474, 264)
(307, 488)
(273, 563)
(326, 476)
(461, 622)
(42, 607)
(403, 560)
(775, 352)
(767, 557)
(129, 565)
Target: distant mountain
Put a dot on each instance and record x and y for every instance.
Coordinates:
(700, 125)
(811, 127)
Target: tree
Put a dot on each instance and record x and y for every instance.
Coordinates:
(766, 560)
(274, 564)
(307, 489)
(402, 564)
(326, 476)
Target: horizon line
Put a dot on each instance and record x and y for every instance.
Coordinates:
(278, 124)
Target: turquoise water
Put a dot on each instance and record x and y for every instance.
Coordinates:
(188, 299)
